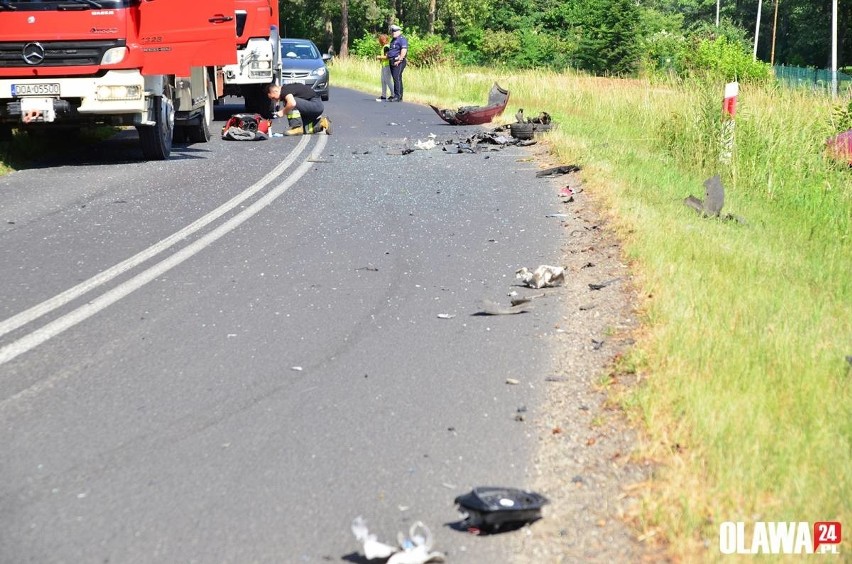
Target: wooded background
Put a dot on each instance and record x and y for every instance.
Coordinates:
(601, 36)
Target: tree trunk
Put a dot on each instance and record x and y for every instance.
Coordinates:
(344, 28)
(329, 37)
(432, 10)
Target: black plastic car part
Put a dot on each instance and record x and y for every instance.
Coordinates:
(491, 509)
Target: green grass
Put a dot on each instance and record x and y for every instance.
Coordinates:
(745, 326)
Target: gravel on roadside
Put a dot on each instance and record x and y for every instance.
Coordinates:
(584, 463)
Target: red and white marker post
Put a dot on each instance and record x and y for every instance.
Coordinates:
(729, 111)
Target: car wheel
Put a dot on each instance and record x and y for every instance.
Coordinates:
(521, 130)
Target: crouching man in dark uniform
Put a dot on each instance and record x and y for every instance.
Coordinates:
(303, 108)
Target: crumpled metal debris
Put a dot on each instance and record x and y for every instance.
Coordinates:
(484, 141)
(604, 284)
(542, 118)
(714, 200)
(542, 277)
(476, 143)
(557, 171)
(416, 548)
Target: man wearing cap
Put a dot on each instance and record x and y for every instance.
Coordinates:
(397, 55)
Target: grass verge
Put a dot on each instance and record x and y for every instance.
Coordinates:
(747, 397)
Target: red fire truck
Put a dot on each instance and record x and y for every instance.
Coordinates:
(158, 65)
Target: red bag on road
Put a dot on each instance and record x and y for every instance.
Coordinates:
(246, 127)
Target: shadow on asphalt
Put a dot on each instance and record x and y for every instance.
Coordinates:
(51, 149)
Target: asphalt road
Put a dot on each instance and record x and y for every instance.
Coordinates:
(228, 356)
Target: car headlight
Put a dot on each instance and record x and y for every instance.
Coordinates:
(319, 73)
(114, 55)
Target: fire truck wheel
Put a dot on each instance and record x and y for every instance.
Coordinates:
(156, 139)
(200, 133)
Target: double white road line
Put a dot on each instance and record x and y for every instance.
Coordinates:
(46, 332)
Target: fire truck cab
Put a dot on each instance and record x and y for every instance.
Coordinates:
(157, 65)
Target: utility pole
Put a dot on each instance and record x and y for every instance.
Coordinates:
(757, 26)
(717, 12)
(774, 33)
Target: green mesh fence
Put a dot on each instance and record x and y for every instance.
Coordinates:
(806, 77)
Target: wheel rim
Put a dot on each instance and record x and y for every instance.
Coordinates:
(208, 107)
(167, 111)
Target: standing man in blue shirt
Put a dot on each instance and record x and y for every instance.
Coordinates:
(397, 55)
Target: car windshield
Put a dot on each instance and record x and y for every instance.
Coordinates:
(292, 50)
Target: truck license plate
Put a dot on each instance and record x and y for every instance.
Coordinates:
(48, 89)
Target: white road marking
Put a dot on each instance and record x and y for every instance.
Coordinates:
(45, 307)
(54, 328)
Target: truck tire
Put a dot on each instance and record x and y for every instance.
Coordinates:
(156, 140)
(200, 133)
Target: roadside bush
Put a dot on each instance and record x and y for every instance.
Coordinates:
(500, 46)
(664, 51)
(691, 132)
(841, 117)
(543, 50)
(720, 58)
(526, 49)
(707, 51)
(423, 51)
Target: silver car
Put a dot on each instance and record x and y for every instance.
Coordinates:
(303, 64)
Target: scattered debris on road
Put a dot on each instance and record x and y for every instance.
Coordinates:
(542, 277)
(493, 308)
(479, 142)
(604, 284)
(427, 144)
(416, 548)
(557, 171)
(518, 300)
(495, 509)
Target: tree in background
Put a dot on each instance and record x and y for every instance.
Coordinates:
(608, 37)
(601, 36)
(344, 29)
